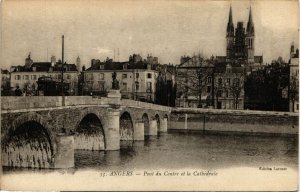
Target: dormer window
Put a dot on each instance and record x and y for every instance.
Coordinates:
(228, 68)
(101, 66)
(125, 66)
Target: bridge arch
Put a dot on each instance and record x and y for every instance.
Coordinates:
(145, 119)
(29, 142)
(89, 133)
(166, 116)
(126, 126)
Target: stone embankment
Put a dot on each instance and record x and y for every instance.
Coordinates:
(234, 121)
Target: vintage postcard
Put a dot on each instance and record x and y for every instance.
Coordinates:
(151, 95)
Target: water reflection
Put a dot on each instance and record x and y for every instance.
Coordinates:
(179, 150)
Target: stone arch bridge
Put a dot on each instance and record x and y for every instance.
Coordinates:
(41, 132)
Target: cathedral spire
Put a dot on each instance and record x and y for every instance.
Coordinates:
(250, 16)
(250, 24)
(230, 15)
(230, 27)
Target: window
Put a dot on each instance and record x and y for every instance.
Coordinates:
(59, 76)
(219, 93)
(149, 86)
(26, 77)
(149, 75)
(137, 75)
(236, 81)
(209, 79)
(220, 81)
(208, 89)
(124, 76)
(137, 86)
(149, 98)
(227, 94)
(101, 66)
(68, 76)
(228, 81)
(89, 77)
(124, 86)
(101, 76)
(101, 85)
(17, 77)
(228, 70)
(297, 107)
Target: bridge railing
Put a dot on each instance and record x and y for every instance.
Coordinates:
(31, 102)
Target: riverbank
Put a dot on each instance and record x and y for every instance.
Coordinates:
(241, 121)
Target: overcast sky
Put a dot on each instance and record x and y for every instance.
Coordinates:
(166, 29)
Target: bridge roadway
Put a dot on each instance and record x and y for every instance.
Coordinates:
(41, 132)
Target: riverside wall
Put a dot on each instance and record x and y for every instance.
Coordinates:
(242, 121)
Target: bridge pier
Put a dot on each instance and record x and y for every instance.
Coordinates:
(138, 130)
(112, 136)
(153, 127)
(164, 125)
(64, 156)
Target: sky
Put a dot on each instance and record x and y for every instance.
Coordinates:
(166, 29)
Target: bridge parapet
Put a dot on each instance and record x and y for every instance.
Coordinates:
(232, 112)
(16, 103)
(132, 103)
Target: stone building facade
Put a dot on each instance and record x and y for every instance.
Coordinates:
(294, 80)
(194, 82)
(137, 78)
(26, 76)
(209, 84)
(229, 87)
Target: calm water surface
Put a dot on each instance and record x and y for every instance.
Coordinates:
(178, 150)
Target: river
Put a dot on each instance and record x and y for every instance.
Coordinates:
(180, 150)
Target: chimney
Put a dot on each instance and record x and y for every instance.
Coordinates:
(53, 61)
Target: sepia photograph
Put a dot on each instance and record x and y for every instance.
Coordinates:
(149, 95)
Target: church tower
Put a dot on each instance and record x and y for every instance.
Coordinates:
(250, 39)
(230, 38)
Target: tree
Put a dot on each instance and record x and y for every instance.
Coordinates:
(5, 88)
(218, 92)
(196, 76)
(236, 90)
(165, 93)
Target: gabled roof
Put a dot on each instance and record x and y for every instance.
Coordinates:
(194, 62)
(43, 67)
(4, 71)
(110, 65)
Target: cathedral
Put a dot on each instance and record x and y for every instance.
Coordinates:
(240, 42)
